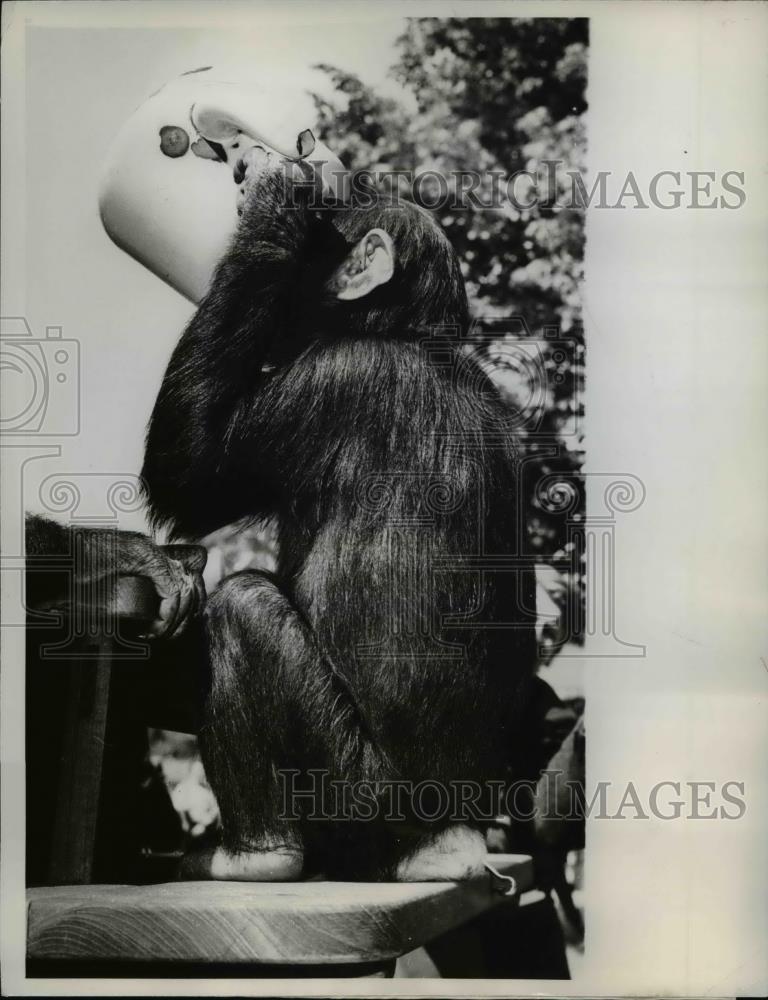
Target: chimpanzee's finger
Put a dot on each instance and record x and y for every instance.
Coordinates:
(194, 580)
(191, 557)
(200, 595)
(194, 598)
(169, 610)
(186, 604)
(254, 158)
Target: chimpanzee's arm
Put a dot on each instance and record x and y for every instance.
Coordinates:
(244, 321)
(59, 556)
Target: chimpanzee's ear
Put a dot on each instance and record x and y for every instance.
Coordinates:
(370, 263)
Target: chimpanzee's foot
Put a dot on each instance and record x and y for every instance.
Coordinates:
(279, 864)
(453, 855)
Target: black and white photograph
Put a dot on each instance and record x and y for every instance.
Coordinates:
(383, 446)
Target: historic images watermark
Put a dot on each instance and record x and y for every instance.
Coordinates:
(551, 186)
(41, 381)
(317, 796)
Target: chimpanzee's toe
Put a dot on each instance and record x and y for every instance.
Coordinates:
(218, 864)
(453, 855)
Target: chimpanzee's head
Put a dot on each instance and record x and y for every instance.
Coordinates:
(393, 271)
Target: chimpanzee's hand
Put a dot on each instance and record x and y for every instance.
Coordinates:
(256, 161)
(176, 573)
(174, 570)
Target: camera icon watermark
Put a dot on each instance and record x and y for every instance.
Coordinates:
(41, 381)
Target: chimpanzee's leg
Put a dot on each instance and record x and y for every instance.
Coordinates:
(243, 734)
(274, 706)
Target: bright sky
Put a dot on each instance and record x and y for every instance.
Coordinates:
(82, 85)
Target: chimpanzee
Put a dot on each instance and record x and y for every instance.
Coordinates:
(323, 386)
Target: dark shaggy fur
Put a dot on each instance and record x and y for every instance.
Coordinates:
(395, 636)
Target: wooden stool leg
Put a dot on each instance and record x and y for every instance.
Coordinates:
(81, 767)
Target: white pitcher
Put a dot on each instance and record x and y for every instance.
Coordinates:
(168, 197)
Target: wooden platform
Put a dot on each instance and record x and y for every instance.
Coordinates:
(280, 924)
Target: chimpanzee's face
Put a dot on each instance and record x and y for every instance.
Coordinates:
(370, 262)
